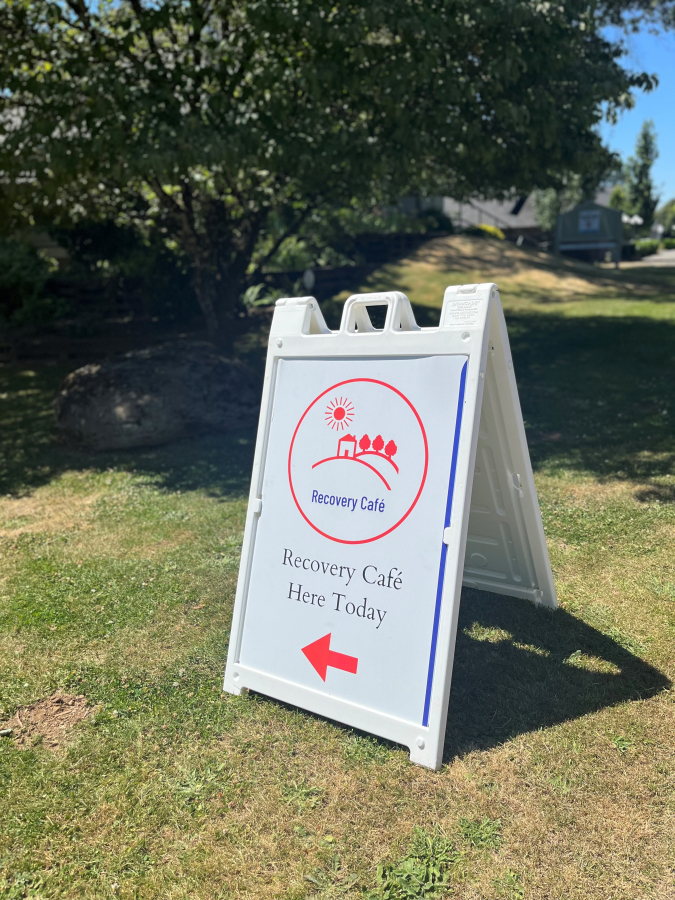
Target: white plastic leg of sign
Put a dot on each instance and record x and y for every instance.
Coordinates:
(506, 548)
(391, 466)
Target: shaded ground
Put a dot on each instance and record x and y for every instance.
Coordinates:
(596, 395)
(519, 669)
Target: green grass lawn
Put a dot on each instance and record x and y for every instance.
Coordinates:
(117, 577)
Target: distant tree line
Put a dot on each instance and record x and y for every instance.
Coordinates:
(635, 194)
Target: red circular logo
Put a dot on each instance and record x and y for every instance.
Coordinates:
(358, 461)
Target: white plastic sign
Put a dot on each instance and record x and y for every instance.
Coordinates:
(371, 444)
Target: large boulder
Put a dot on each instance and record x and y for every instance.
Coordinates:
(156, 395)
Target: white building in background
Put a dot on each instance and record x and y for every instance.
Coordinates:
(509, 215)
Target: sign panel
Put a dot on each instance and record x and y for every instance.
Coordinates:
(355, 493)
(354, 550)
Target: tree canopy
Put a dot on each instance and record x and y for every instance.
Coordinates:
(227, 124)
(639, 183)
(635, 194)
(666, 217)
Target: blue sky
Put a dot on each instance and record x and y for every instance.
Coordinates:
(654, 54)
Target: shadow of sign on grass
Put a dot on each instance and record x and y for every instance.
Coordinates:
(519, 668)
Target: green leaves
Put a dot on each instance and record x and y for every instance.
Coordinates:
(424, 872)
(622, 743)
(206, 121)
(481, 832)
(301, 795)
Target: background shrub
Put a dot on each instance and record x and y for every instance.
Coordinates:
(646, 247)
(23, 274)
(493, 231)
(485, 231)
(132, 270)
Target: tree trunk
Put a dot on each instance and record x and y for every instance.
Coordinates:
(206, 289)
(217, 299)
(220, 263)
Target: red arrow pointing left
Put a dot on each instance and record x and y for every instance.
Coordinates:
(321, 656)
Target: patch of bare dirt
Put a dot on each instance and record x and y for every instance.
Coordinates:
(50, 719)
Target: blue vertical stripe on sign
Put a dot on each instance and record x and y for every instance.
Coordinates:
(444, 547)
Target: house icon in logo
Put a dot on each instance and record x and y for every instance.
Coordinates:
(347, 446)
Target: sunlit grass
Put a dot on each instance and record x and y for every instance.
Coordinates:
(117, 577)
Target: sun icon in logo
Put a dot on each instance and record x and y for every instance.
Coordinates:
(339, 413)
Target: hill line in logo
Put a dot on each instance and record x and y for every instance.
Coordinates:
(346, 450)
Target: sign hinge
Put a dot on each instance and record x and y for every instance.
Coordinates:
(517, 484)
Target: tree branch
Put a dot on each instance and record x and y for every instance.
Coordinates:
(81, 11)
(148, 32)
(284, 237)
(84, 18)
(180, 214)
(186, 193)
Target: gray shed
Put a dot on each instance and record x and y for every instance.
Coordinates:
(590, 229)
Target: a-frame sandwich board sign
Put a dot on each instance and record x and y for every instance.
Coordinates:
(391, 467)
